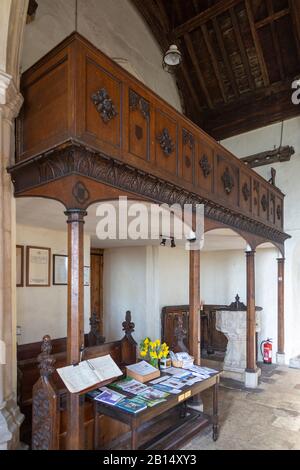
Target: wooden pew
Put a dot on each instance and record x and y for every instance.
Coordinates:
(43, 395)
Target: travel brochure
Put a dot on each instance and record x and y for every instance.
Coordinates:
(132, 396)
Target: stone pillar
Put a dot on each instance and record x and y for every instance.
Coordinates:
(251, 372)
(280, 356)
(10, 416)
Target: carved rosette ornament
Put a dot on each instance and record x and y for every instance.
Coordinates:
(81, 193)
(205, 166)
(138, 102)
(165, 142)
(246, 191)
(228, 181)
(264, 202)
(104, 105)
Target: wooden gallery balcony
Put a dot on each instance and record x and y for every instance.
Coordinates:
(89, 130)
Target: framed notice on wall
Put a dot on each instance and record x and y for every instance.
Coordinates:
(38, 266)
(20, 266)
(60, 270)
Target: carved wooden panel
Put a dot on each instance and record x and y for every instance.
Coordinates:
(255, 197)
(139, 125)
(227, 180)
(272, 208)
(188, 155)
(46, 97)
(204, 166)
(264, 203)
(103, 104)
(166, 148)
(245, 191)
(279, 217)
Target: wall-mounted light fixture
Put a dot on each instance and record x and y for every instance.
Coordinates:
(172, 59)
(164, 239)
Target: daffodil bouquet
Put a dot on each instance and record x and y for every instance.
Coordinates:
(153, 350)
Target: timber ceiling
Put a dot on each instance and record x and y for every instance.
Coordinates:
(239, 59)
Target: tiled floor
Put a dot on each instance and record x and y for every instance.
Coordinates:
(265, 418)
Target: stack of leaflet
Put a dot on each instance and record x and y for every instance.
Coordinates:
(148, 395)
(202, 372)
(110, 397)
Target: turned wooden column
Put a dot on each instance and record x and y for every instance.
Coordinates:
(75, 328)
(194, 302)
(251, 315)
(280, 311)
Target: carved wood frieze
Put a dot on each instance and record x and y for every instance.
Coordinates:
(246, 191)
(104, 105)
(80, 160)
(205, 166)
(228, 181)
(138, 102)
(166, 142)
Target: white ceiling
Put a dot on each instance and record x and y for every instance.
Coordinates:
(47, 213)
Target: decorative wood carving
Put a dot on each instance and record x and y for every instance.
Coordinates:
(181, 334)
(228, 181)
(80, 192)
(246, 191)
(138, 102)
(264, 202)
(279, 212)
(205, 166)
(237, 305)
(95, 337)
(165, 142)
(187, 161)
(128, 325)
(256, 189)
(45, 412)
(272, 180)
(188, 138)
(77, 159)
(104, 105)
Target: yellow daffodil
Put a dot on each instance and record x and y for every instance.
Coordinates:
(143, 353)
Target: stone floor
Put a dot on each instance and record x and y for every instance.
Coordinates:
(265, 418)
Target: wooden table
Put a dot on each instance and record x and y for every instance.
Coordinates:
(136, 421)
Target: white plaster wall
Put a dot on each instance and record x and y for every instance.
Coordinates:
(287, 180)
(114, 26)
(124, 288)
(43, 310)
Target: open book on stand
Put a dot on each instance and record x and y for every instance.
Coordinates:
(87, 374)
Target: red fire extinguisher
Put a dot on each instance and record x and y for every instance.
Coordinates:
(266, 350)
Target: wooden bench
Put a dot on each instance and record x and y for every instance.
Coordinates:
(43, 395)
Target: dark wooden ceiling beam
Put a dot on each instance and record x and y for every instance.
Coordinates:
(257, 44)
(276, 41)
(201, 18)
(272, 17)
(244, 56)
(225, 57)
(269, 157)
(163, 15)
(191, 51)
(214, 60)
(295, 17)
